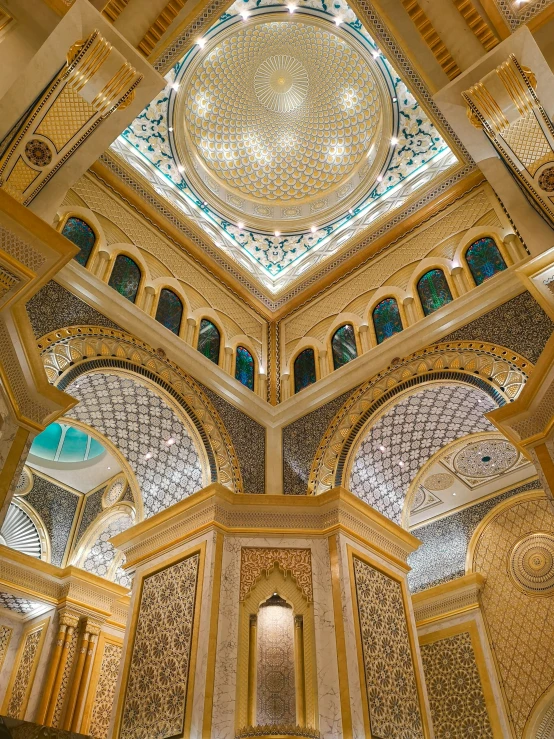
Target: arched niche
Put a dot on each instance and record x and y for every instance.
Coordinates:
(305, 674)
(496, 372)
(71, 352)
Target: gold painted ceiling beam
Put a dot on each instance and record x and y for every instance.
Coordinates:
(431, 38)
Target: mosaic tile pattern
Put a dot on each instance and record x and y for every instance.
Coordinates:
(442, 554)
(275, 694)
(5, 636)
(301, 440)
(92, 508)
(105, 691)
(389, 672)
(156, 693)
(410, 433)
(102, 553)
(17, 605)
(520, 625)
(139, 422)
(248, 439)
(455, 692)
(18, 698)
(54, 307)
(520, 324)
(57, 507)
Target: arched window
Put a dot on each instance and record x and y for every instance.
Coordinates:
(170, 310)
(304, 370)
(209, 340)
(433, 291)
(125, 277)
(343, 345)
(244, 367)
(484, 259)
(386, 319)
(82, 235)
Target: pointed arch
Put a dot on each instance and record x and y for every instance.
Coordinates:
(343, 345)
(125, 277)
(304, 369)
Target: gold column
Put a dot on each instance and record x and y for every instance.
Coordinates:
(94, 633)
(67, 623)
(252, 654)
(299, 670)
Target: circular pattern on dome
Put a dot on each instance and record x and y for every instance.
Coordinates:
(281, 83)
(439, 481)
(531, 563)
(280, 111)
(546, 180)
(114, 492)
(38, 152)
(486, 458)
(25, 482)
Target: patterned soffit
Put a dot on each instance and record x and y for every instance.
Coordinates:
(263, 128)
(516, 13)
(395, 447)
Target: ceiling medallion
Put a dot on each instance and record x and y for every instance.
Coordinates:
(486, 458)
(439, 481)
(281, 83)
(531, 564)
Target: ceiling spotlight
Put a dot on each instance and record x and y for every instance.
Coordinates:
(394, 140)
(381, 448)
(175, 86)
(240, 225)
(170, 129)
(453, 493)
(180, 168)
(170, 441)
(148, 455)
(401, 464)
(291, 8)
(313, 229)
(376, 54)
(245, 15)
(394, 100)
(379, 178)
(338, 20)
(277, 233)
(109, 468)
(201, 42)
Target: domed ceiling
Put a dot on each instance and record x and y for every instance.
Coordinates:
(285, 135)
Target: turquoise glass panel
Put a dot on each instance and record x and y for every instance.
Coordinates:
(82, 235)
(244, 367)
(170, 310)
(484, 259)
(433, 291)
(209, 340)
(386, 319)
(343, 345)
(45, 445)
(125, 277)
(304, 370)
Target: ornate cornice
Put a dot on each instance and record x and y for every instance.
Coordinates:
(448, 599)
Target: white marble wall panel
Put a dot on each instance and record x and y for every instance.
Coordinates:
(223, 723)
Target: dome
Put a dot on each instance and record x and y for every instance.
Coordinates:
(60, 442)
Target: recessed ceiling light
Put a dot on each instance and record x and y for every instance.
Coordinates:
(394, 100)
(338, 21)
(109, 468)
(380, 178)
(170, 441)
(175, 85)
(394, 140)
(376, 54)
(313, 229)
(245, 14)
(240, 225)
(381, 448)
(181, 168)
(291, 8)
(170, 129)
(201, 42)
(453, 493)
(277, 233)
(401, 463)
(148, 455)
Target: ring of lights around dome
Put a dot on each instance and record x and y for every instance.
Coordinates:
(274, 121)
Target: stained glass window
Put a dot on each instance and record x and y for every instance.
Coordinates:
(209, 340)
(343, 345)
(244, 367)
(82, 235)
(433, 291)
(125, 277)
(386, 319)
(484, 259)
(170, 310)
(304, 370)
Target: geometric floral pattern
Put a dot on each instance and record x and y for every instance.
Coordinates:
(520, 624)
(18, 698)
(455, 692)
(275, 695)
(16, 604)
(101, 554)
(411, 432)
(155, 698)
(105, 691)
(389, 672)
(139, 422)
(5, 636)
